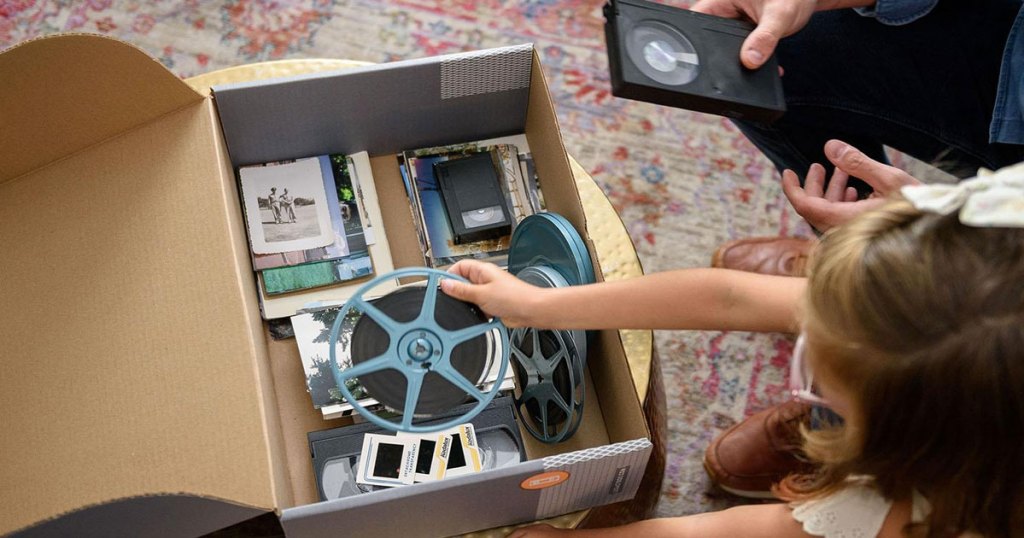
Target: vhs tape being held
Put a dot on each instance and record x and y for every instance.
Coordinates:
(684, 59)
(336, 452)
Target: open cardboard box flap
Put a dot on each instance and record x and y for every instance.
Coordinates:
(131, 334)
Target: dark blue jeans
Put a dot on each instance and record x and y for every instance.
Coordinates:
(926, 88)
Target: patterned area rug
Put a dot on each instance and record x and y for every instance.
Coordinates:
(682, 182)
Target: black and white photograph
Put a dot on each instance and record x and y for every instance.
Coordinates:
(286, 206)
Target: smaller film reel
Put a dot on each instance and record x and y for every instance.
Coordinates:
(546, 277)
(417, 351)
(549, 365)
(550, 378)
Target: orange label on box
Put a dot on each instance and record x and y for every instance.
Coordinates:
(545, 480)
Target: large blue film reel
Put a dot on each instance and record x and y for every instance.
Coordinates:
(415, 349)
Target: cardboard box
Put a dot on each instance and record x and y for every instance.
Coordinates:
(140, 392)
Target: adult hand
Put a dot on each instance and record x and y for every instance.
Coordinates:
(824, 207)
(494, 290)
(775, 20)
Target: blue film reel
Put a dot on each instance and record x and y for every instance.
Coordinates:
(550, 239)
(546, 251)
(415, 349)
(552, 388)
(546, 277)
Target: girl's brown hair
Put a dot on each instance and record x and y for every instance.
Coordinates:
(922, 319)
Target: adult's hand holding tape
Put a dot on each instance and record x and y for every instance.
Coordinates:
(775, 20)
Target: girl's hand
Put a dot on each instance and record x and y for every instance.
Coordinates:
(495, 291)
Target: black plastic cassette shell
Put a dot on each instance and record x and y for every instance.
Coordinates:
(458, 180)
(722, 87)
(347, 441)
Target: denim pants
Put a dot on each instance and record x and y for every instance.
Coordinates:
(926, 88)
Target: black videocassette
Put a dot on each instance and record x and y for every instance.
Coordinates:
(472, 196)
(684, 59)
(335, 452)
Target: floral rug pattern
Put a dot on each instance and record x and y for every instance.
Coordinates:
(683, 182)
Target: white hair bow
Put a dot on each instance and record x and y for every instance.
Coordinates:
(993, 199)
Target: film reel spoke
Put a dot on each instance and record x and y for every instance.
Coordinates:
(414, 382)
(518, 355)
(428, 312)
(560, 402)
(376, 364)
(454, 377)
(385, 321)
(469, 333)
(544, 417)
(535, 336)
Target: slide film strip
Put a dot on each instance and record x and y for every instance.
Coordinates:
(337, 453)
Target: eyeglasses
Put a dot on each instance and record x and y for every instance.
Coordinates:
(801, 378)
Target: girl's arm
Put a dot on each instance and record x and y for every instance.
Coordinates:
(753, 521)
(682, 299)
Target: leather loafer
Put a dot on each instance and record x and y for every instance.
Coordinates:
(748, 458)
(785, 256)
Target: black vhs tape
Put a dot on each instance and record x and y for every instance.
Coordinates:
(684, 59)
(472, 195)
(336, 452)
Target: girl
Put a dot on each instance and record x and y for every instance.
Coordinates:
(912, 324)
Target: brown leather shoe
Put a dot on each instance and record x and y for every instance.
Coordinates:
(786, 256)
(760, 451)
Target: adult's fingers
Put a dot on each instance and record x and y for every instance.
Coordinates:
(792, 189)
(775, 22)
(881, 177)
(719, 8)
(814, 181)
(836, 189)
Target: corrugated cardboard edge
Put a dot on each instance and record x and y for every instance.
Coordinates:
(282, 491)
(542, 131)
(34, 100)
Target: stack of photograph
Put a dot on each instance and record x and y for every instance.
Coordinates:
(313, 238)
(467, 198)
(311, 226)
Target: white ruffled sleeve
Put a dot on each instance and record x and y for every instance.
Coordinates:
(856, 511)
